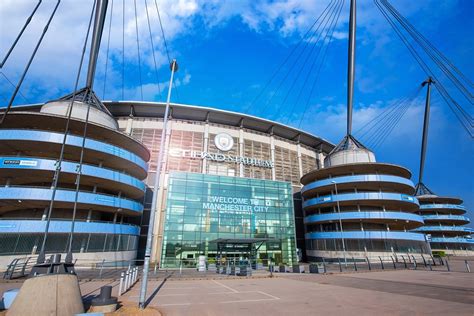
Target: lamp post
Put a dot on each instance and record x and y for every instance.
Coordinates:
(340, 225)
(156, 189)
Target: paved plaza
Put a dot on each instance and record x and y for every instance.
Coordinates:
(398, 292)
(370, 293)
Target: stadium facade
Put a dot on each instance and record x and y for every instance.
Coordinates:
(239, 174)
(357, 208)
(109, 200)
(445, 222)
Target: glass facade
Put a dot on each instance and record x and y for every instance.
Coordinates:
(202, 208)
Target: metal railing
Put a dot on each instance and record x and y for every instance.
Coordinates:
(19, 267)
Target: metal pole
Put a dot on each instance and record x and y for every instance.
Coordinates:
(149, 238)
(340, 226)
(351, 65)
(426, 122)
(99, 20)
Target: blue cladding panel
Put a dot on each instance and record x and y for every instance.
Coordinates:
(69, 167)
(40, 194)
(366, 235)
(36, 226)
(363, 215)
(360, 197)
(357, 178)
(57, 138)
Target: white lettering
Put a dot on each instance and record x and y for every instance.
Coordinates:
(219, 157)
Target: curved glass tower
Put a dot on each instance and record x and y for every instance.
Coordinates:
(444, 219)
(358, 208)
(109, 200)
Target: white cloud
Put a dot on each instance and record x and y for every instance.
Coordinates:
(56, 63)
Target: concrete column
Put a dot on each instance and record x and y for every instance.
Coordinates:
(206, 146)
(89, 216)
(129, 126)
(272, 152)
(167, 144)
(300, 160)
(241, 150)
(43, 218)
(320, 157)
(45, 214)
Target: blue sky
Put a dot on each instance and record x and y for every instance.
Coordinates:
(227, 50)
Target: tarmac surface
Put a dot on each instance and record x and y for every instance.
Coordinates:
(398, 292)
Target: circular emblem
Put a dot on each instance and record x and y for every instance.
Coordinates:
(224, 141)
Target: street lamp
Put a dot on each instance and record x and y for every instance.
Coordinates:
(340, 225)
(156, 189)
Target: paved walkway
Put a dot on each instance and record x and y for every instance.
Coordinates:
(398, 292)
(376, 293)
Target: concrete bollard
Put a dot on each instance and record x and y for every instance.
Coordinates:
(467, 266)
(127, 280)
(122, 277)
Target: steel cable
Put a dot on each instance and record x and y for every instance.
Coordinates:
(428, 48)
(152, 48)
(373, 138)
(390, 125)
(285, 60)
(332, 11)
(108, 46)
(25, 71)
(445, 95)
(166, 46)
(13, 85)
(123, 49)
(386, 112)
(57, 171)
(138, 50)
(330, 30)
(28, 20)
(313, 86)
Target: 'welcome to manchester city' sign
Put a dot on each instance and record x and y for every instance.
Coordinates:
(237, 205)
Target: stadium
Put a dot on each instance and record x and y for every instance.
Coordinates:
(211, 155)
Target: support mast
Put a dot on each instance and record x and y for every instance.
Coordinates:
(351, 65)
(99, 21)
(426, 123)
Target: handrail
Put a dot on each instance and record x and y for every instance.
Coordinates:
(61, 220)
(71, 190)
(133, 181)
